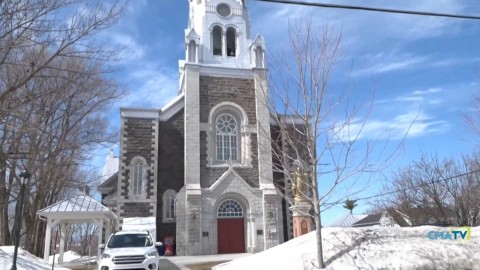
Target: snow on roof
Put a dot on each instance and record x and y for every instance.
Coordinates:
(77, 203)
(346, 220)
(141, 224)
(111, 166)
(368, 248)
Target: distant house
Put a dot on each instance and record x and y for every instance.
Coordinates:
(346, 220)
(432, 216)
(389, 218)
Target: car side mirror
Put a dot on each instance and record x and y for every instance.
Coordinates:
(101, 246)
(158, 244)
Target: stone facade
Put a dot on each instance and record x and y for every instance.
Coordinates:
(139, 140)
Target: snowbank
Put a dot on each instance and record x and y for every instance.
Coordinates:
(367, 248)
(141, 224)
(73, 257)
(25, 260)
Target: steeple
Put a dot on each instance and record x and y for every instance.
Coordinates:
(218, 34)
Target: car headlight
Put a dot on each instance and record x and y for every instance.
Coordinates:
(152, 254)
(106, 256)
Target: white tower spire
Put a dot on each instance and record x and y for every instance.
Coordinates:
(218, 34)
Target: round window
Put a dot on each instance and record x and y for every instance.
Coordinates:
(223, 10)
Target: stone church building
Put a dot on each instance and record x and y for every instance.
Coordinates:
(202, 165)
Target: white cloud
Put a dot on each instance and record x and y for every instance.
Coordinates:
(407, 125)
(131, 49)
(449, 62)
(150, 86)
(428, 91)
(389, 62)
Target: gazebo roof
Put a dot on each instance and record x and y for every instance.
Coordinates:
(77, 207)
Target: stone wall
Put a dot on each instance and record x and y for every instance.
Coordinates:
(170, 167)
(214, 90)
(139, 137)
(136, 209)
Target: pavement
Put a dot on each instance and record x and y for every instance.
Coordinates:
(181, 262)
(172, 262)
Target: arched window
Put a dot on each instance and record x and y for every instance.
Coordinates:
(231, 41)
(230, 209)
(226, 127)
(192, 52)
(169, 198)
(137, 177)
(259, 57)
(217, 40)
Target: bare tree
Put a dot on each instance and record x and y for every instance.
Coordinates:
(318, 127)
(472, 119)
(434, 190)
(53, 91)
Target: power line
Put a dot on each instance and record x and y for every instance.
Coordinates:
(398, 11)
(406, 189)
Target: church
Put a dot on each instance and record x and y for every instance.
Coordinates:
(202, 165)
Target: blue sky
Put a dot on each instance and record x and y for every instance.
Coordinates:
(421, 68)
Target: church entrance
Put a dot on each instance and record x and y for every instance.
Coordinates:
(230, 227)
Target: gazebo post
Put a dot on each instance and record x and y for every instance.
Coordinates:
(63, 238)
(108, 229)
(100, 233)
(48, 239)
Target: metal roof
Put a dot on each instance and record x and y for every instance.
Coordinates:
(346, 220)
(78, 204)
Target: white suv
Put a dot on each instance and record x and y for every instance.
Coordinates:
(129, 250)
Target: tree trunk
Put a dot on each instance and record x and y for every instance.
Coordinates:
(318, 229)
(4, 228)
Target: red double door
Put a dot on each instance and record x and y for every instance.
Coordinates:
(231, 235)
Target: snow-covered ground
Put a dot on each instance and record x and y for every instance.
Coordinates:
(25, 260)
(368, 248)
(73, 257)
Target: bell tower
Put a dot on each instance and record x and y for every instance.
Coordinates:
(227, 149)
(218, 34)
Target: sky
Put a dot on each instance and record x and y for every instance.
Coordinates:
(423, 70)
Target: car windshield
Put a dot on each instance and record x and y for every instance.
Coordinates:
(130, 240)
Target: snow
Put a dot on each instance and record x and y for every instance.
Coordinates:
(73, 257)
(111, 166)
(141, 224)
(368, 248)
(25, 260)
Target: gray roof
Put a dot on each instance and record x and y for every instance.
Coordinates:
(346, 220)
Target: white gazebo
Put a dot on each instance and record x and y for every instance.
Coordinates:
(77, 209)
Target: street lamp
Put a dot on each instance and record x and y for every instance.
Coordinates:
(24, 176)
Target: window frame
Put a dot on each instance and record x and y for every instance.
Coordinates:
(217, 30)
(231, 37)
(172, 195)
(244, 130)
(138, 189)
(229, 150)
